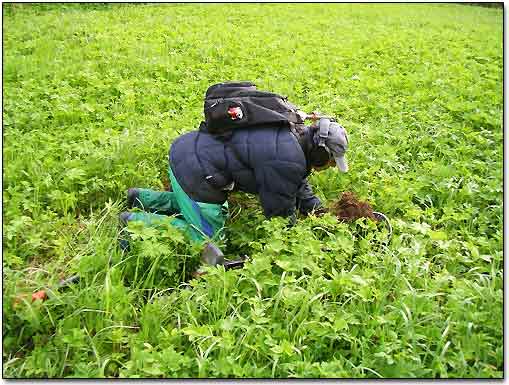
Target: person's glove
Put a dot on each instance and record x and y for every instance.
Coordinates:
(307, 206)
(320, 211)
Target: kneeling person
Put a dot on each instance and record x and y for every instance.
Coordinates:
(270, 161)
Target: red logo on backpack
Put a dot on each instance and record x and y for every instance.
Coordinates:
(235, 113)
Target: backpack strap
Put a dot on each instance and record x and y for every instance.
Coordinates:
(297, 129)
(299, 132)
(323, 132)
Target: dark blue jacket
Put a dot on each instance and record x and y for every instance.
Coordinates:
(267, 161)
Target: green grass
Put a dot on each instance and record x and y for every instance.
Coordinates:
(94, 95)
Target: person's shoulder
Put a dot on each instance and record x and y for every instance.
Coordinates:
(184, 139)
(199, 138)
(188, 135)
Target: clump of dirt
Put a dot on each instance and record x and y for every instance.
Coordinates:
(349, 208)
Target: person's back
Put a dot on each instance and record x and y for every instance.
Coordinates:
(267, 161)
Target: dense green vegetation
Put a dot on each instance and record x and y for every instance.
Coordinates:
(94, 95)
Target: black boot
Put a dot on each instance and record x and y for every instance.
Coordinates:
(124, 218)
(124, 245)
(132, 198)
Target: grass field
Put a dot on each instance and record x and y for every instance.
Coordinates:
(93, 96)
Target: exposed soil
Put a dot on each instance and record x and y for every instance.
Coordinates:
(349, 208)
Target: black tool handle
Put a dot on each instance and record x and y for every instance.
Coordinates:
(235, 264)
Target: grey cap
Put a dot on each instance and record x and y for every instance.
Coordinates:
(337, 143)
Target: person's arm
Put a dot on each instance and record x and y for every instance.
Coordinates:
(307, 201)
(278, 184)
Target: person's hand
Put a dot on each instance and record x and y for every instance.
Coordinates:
(314, 116)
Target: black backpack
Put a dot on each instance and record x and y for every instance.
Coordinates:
(232, 105)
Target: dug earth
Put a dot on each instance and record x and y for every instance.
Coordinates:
(349, 208)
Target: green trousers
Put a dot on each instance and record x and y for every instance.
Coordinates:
(198, 220)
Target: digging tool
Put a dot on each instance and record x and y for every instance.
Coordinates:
(382, 217)
(236, 264)
(43, 294)
(212, 255)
